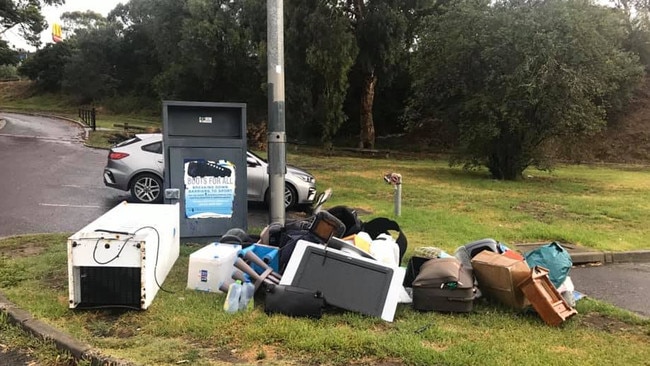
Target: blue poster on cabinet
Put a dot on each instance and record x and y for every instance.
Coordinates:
(209, 188)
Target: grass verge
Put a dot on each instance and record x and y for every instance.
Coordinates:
(186, 326)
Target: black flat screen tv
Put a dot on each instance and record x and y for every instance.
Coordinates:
(346, 281)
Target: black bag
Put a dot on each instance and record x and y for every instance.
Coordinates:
(293, 301)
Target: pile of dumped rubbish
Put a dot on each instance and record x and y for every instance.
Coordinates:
(334, 260)
(303, 268)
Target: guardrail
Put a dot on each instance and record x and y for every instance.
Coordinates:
(127, 127)
(88, 117)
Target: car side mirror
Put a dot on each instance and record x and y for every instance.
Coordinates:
(251, 162)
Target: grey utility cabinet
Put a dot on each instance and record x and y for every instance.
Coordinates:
(205, 158)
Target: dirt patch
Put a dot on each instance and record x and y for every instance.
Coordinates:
(605, 323)
(15, 357)
(15, 90)
(541, 211)
(263, 354)
(231, 356)
(24, 250)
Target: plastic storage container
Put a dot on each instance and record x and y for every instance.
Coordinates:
(211, 266)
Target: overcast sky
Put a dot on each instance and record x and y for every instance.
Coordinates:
(53, 15)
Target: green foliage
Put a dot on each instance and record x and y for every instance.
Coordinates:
(90, 73)
(46, 66)
(8, 72)
(321, 52)
(11, 274)
(7, 55)
(76, 22)
(507, 77)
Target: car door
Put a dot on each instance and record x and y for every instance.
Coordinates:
(257, 177)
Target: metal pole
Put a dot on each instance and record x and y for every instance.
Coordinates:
(276, 127)
(395, 180)
(398, 199)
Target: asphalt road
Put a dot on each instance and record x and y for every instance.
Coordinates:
(50, 181)
(626, 285)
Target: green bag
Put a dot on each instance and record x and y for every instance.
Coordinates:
(552, 257)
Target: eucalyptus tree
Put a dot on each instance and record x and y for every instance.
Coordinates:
(217, 60)
(319, 53)
(152, 30)
(332, 43)
(91, 72)
(506, 77)
(380, 29)
(74, 21)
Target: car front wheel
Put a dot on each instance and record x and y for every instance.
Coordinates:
(290, 196)
(147, 188)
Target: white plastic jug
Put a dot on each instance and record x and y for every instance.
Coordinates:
(385, 249)
(246, 298)
(231, 305)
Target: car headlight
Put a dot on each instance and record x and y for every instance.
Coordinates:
(306, 178)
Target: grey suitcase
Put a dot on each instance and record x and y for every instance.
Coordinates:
(445, 285)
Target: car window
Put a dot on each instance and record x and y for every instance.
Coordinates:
(128, 142)
(156, 147)
(257, 156)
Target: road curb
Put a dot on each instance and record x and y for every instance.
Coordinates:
(61, 340)
(607, 257)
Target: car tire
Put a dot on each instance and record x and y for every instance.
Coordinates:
(147, 188)
(290, 197)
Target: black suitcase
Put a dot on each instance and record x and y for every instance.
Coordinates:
(445, 285)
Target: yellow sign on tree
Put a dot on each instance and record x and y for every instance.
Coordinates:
(56, 33)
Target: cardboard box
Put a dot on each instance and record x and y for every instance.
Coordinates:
(498, 277)
(211, 265)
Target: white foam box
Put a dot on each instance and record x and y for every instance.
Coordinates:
(211, 265)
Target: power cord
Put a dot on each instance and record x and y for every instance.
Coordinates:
(155, 267)
(112, 259)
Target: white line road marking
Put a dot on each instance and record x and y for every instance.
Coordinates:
(63, 205)
(71, 186)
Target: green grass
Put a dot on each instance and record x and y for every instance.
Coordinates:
(598, 207)
(191, 326)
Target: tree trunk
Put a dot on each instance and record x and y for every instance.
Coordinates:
(367, 135)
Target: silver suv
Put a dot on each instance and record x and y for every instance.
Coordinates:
(137, 165)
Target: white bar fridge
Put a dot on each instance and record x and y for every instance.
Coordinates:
(123, 257)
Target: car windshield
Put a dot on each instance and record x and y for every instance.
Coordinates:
(257, 156)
